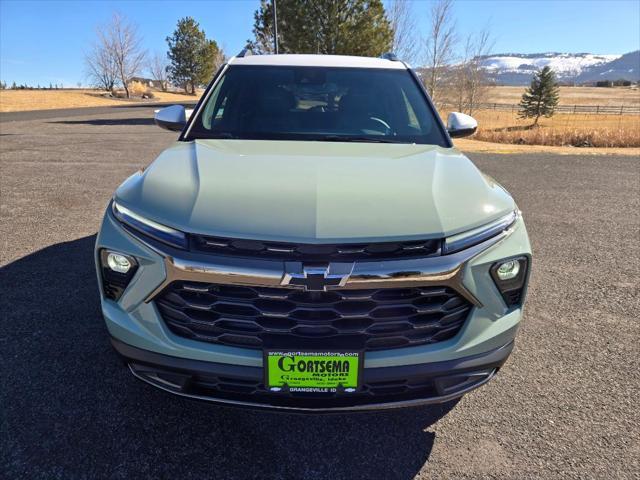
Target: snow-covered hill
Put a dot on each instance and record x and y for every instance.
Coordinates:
(517, 69)
(627, 67)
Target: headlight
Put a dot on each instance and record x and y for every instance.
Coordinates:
(149, 227)
(463, 240)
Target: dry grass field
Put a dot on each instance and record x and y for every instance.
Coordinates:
(21, 100)
(470, 145)
(573, 95)
(576, 130)
(563, 129)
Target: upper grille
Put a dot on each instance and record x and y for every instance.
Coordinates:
(260, 317)
(316, 252)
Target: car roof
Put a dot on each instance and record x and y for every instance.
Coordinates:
(299, 60)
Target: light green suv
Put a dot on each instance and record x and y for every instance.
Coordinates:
(314, 242)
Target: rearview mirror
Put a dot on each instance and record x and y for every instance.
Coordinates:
(171, 118)
(461, 125)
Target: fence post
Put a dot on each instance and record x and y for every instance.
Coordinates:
(621, 109)
(574, 108)
(597, 109)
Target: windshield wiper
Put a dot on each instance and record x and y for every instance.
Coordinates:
(352, 138)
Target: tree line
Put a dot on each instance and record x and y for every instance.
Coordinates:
(25, 86)
(116, 57)
(450, 63)
(342, 27)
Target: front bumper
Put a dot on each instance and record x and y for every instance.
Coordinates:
(136, 326)
(382, 388)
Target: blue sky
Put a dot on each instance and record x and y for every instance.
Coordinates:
(44, 41)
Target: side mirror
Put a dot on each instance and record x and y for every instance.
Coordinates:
(171, 118)
(461, 125)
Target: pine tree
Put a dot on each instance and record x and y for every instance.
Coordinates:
(541, 98)
(193, 57)
(339, 27)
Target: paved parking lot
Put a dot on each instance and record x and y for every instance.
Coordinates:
(565, 404)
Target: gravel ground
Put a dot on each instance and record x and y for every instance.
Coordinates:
(564, 405)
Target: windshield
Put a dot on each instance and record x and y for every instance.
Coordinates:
(318, 103)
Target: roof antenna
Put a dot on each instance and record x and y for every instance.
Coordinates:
(275, 25)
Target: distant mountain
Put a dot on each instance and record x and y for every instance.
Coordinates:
(517, 69)
(626, 67)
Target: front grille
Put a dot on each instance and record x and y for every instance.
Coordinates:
(315, 252)
(261, 317)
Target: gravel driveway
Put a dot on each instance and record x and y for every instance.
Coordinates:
(564, 405)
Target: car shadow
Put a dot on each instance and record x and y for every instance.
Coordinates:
(72, 410)
(102, 122)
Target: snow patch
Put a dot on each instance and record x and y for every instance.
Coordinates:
(563, 64)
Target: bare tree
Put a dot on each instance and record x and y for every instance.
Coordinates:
(157, 67)
(219, 58)
(125, 47)
(101, 68)
(440, 43)
(478, 79)
(403, 23)
(469, 80)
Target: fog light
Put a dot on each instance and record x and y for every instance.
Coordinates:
(118, 263)
(117, 270)
(508, 270)
(510, 276)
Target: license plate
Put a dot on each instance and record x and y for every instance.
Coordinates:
(314, 372)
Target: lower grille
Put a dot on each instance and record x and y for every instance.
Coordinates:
(207, 385)
(232, 389)
(261, 317)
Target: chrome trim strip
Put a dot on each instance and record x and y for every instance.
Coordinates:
(155, 225)
(460, 241)
(147, 226)
(445, 270)
(371, 406)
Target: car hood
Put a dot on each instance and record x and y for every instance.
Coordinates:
(314, 191)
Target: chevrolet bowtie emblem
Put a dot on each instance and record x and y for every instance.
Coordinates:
(317, 278)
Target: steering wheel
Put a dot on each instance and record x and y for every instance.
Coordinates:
(378, 121)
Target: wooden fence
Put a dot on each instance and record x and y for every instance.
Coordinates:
(577, 109)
